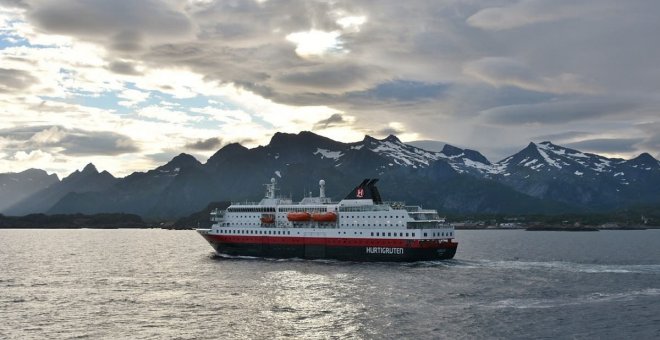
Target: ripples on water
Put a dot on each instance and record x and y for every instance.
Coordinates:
(168, 284)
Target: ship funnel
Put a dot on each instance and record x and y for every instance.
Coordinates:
(321, 188)
(366, 190)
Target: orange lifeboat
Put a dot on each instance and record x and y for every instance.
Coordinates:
(298, 216)
(324, 217)
(267, 218)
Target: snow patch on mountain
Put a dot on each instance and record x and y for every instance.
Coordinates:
(329, 154)
(603, 165)
(400, 153)
(478, 165)
(542, 151)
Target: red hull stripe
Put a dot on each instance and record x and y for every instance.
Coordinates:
(327, 241)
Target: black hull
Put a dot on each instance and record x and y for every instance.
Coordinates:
(345, 253)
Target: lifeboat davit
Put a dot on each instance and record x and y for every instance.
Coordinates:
(267, 218)
(298, 216)
(324, 217)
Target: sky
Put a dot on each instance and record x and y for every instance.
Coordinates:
(130, 84)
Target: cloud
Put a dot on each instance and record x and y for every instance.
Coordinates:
(126, 68)
(12, 80)
(562, 137)
(607, 145)
(122, 25)
(33, 156)
(396, 129)
(651, 140)
(402, 90)
(227, 116)
(501, 71)
(526, 12)
(330, 78)
(163, 157)
(390, 130)
(335, 119)
(209, 144)
(316, 43)
(15, 3)
(72, 142)
(132, 97)
(165, 114)
(555, 112)
(51, 135)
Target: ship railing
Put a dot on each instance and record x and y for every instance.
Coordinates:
(244, 203)
(362, 208)
(427, 225)
(428, 215)
(397, 205)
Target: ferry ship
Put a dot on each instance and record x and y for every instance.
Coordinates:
(360, 227)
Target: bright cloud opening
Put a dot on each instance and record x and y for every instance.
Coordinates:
(315, 43)
(351, 23)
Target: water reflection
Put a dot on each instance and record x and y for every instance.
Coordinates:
(311, 304)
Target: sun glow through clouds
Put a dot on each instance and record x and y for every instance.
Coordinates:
(315, 43)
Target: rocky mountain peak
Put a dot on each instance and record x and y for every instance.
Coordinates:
(90, 168)
(392, 138)
(646, 161)
(368, 139)
(450, 151)
(226, 152)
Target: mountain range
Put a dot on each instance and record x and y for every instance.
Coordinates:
(543, 178)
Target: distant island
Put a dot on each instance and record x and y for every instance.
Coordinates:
(72, 221)
(629, 219)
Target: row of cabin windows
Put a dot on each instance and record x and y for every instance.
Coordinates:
(252, 209)
(390, 234)
(439, 234)
(364, 208)
(314, 210)
(255, 232)
(307, 209)
(347, 217)
(369, 216)
(370, 225)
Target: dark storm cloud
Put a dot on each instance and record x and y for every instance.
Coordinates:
(74, 142)
(12, 80)
(205, 145)
(606, 145)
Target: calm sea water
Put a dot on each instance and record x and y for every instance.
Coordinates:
(167, 284)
